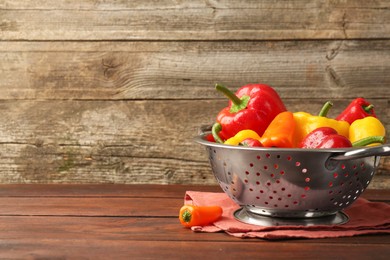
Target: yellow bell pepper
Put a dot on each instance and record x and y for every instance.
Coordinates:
(306, 123)
(241, 136)
(366, 127)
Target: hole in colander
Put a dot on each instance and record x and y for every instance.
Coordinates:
(282, 172)
(251, 165)
(298, 164)
(276, 166)
(335, 175)
(289, 158)
(258, 157)
(268, 155)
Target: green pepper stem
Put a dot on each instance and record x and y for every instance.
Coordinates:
(186, 216)
(217, 127)
(369, 140)
(368, 108)
(229, 94)
(325, 109)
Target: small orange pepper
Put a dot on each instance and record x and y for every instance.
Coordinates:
(280, 131)
(191, 215)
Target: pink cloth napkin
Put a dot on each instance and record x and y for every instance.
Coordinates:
(365, 217)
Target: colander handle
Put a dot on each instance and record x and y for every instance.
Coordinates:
(382, 150)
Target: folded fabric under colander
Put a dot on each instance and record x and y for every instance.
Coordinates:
(365, 217)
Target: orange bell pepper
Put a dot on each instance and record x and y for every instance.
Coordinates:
(280, 131)
(190, 215)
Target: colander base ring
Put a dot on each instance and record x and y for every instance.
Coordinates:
(247, 217)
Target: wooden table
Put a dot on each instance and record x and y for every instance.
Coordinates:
(60, 221)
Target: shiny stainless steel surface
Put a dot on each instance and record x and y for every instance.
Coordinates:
(292, 183)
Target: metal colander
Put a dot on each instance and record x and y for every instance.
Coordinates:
(307, 186)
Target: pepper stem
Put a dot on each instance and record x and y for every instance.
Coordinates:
(217, 127)
(325, 109)
(228, 93)
(238, 103)
(369, 140)
(368, 108)
(186, 216)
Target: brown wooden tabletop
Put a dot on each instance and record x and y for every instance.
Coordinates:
(60, 221)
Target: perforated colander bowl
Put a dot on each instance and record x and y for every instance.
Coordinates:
(292, 183)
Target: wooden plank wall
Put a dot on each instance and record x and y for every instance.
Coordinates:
(109, 91)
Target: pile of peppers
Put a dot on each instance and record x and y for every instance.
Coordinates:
(257, 117)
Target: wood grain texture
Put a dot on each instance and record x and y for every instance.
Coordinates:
(114, 91)
(193, 20)
(189, 70)
(60, 221)
(101, 141)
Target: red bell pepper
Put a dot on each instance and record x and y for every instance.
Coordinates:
(359, 108)
(250, 142)
(325, 137)
(252, 107)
